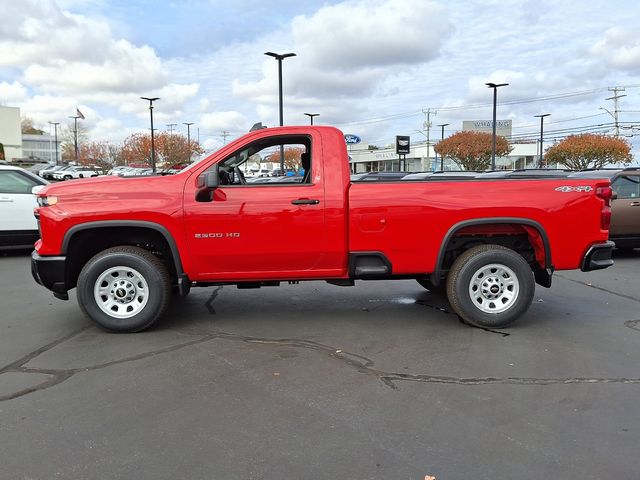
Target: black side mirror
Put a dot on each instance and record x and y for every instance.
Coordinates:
(212, 179)
(207, 183)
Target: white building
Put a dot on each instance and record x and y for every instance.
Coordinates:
(40, 147)
(523, 155)
(10, 133)
(421, 159)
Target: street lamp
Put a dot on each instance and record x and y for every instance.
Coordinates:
(153, 148)
(55, 128)
(441, 138)
(311, 115)
(495, 87)
(541, 133)
(188, 124)
(279, 57)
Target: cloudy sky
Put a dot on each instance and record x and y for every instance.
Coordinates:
(369, 67)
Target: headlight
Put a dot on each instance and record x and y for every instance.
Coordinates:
(47, 201)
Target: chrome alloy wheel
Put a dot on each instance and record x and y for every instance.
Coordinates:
(494, 288)
(121, 292)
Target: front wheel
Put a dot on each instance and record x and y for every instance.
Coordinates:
(124, 289)
(490, 286)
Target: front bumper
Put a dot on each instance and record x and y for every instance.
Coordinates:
(50, 273)
(598, 257)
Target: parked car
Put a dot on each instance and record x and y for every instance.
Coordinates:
(117, 170)
(18, 226)
(76, 172)
(47, 173)
(625, 207)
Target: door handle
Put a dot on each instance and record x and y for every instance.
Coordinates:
(305, 201)
(6, 200)
(635, 204)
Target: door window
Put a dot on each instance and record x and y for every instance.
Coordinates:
(294, 151)
(627, 186)
(15, 182)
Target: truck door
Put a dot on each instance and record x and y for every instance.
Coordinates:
(263, 227)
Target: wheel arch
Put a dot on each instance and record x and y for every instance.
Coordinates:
(542, 248)
(109, 233)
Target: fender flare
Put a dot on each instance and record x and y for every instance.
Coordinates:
(127, 223)
(435, 276)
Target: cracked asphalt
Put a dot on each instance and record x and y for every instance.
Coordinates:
(380, 381)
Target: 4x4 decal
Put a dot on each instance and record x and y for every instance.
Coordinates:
(579, 188)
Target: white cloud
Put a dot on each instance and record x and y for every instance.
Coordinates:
(620, 49)
(11, 93)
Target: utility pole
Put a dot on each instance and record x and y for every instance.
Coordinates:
(224, 136)
(615, 98)
(442, 125)
(426, 125)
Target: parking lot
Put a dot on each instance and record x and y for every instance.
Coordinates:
(317, 381)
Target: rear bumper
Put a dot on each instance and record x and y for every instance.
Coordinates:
(598, 257)
(50, 273)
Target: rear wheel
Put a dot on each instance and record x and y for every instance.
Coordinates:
(124, 289)
(67, 177)
(490, 286)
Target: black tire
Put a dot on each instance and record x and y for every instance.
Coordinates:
(66, 177)
(146, 305)
(494, 298)
(441, 288)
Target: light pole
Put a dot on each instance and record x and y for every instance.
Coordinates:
(75, 134)
(495, 87)
(153, 148)
(441, 138)
(55, 129)
(279, 57)
(541, 134)
(188, 124)
(311, 115)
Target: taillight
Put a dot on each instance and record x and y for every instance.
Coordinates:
(605, 193)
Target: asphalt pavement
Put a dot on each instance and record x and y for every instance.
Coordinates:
(314, 381)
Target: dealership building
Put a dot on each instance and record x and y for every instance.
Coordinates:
(422, 157)
(19, 147)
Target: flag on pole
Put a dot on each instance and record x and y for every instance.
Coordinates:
(79, 114)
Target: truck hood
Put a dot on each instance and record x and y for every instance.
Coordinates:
(110, 184)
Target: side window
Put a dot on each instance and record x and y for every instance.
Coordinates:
(627, 186)
(259, 163)
(15, 182)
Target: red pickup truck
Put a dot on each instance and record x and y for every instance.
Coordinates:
(127, 243)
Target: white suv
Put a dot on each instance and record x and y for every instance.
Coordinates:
(18, 226)
(76, 172)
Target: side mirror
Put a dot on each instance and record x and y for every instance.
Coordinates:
(212, 179)
(35, 190)
(207, 183)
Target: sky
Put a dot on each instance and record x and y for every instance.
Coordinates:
(371, 68)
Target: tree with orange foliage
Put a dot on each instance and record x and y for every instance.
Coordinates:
(103, 154)
(472, 150)
(589, 150)
(170, 148)
(291, 157)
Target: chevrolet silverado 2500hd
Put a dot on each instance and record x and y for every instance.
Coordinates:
(126, 243)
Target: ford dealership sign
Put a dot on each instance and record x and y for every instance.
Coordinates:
(351, 139)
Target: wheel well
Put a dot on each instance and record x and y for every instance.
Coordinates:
(84, 244)
(526, 240)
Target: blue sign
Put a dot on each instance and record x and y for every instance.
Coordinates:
(351, 139)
